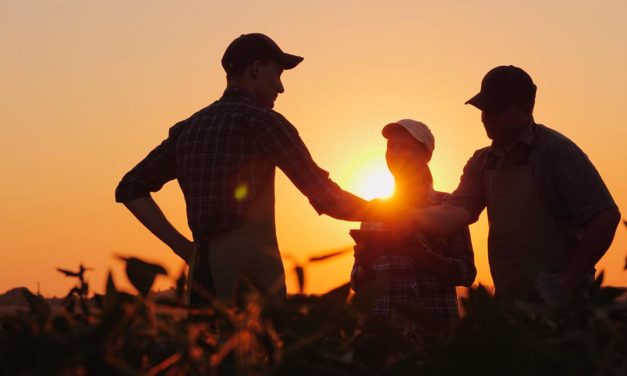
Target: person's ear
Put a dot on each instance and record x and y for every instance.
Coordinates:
(255, 68)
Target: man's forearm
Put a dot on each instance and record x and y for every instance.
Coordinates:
(349, 208)
(146, 210)
(440, 220)
(597, 237)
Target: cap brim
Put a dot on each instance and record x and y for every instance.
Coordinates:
(390, 128)
(477, 101)
(485, 103)
(290, 61)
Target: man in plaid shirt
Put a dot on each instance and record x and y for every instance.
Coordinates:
(224, 158)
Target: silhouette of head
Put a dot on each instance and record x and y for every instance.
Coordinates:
(410, 145)
(256, 62)
(506, 101)
(502, 86)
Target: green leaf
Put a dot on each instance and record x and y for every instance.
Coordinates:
(367, 296)
(609, 294)
(110, 299)
(181, 281)
(61, 324)
(245, 291)
(70, 304)
(37, 305)
(336, 298)
(599, 280)
(85, 307)
(482, 304)
(110, 290)
(330, 254)
(79, 274)
(142, 274)
(68, 273)
(300, 274)
(270, 344)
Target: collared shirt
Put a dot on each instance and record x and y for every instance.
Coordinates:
(518, 155)
(566, 180)
(400, 280)
(222, 157)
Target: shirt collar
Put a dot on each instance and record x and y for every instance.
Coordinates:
(525, 138)
(236, 91)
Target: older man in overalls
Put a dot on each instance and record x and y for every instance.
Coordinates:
(549, 212)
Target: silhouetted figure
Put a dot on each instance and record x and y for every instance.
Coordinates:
(550, 214)
(224, 158)
(412, 267)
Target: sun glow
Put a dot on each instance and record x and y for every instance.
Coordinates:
(370, 179)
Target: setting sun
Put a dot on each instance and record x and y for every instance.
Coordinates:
(371, 179)
(375, 182)
(107, 80)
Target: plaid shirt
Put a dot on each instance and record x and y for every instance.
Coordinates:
(401, 282)
(222, 157)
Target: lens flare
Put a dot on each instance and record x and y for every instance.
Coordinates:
(241, 192)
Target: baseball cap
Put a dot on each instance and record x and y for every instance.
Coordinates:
(249, 47)
(502, 86)
(417, 129)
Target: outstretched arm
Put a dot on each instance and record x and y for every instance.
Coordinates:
(146, 210)
(348, 207)
(284, 146)
(441, 220)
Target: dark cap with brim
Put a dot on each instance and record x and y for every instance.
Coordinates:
(487, 103)
(502, 86)
(255, 46)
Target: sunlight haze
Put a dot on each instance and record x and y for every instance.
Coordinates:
(89, 88)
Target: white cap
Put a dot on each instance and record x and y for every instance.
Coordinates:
(419, 130)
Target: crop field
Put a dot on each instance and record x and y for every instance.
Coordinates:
(135, 334)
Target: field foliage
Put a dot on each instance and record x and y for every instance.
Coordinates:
(135, 334)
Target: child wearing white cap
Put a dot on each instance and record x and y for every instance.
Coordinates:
(412, 267)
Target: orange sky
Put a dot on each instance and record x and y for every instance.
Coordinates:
(90, 87)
